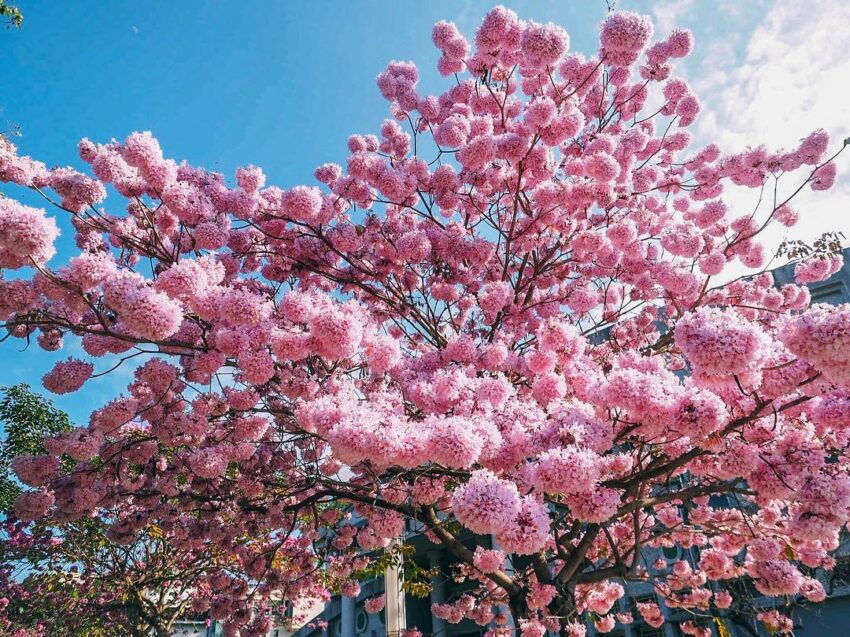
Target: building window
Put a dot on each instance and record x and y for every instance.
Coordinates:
(840, 575)
(361, 621)
(833, 293)
(671, 552)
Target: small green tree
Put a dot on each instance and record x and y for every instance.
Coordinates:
(26, 418)
(71, 578)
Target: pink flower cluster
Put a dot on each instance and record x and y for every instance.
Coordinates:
(817, 268)
(488, 561)
(486, 503)
(67, 376)
(144, 312)
(35, 471)
(375, 604)
(453, 46)
(31, 505)
(719, 341)
(26, 235)
(623, 37)
(821, 337)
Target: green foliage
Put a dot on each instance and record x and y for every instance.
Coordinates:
(78, 582)
(12, 14)
(415, 581)
(26, 419)
(380, 562)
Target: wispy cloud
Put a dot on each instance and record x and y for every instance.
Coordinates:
(790, 79)
(668, 14)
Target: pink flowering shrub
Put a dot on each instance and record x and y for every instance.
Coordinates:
(530, 336)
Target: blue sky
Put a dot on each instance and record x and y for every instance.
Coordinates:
(282, 84)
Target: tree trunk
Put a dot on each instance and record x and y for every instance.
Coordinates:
(519, 608)
(563, 607)
(161, 630)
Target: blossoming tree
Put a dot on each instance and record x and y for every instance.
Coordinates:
(511, 313)
(68, 578)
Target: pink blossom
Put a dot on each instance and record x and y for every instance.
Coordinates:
(31, 505)
(190, 279)
(350, 588)
(719, 341)
(699, 413)
(549, 386)
(817, 268)
(477, 153)
(530, 628)
(528, 532)
(77, 191)
(683, 240)
(722, 599)
(813, 147)
(821, 336)
(67, 376)
(543, 45)
(776, 577)
(598, 505)
(250, 178)
(486, 503)
(494, 297)
(623, 36)
(651, 613)
(775, 622)
(488, 561)
(302, 203)
(35, 471)
(375, 604)
(567, 471)
(336, 333)
(605, 624)
(26, 235)
(257, 367)
(602, 167)
(243, 307)
(383, 354)
(453, 46)
(712, 264)
(786, 215)
(680, 42)
(208, 463)
(398, 83)
(824, 177)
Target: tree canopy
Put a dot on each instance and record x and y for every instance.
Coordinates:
(74, 578)
(523, 311)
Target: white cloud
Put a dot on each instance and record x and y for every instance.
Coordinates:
(668, 14)
(792, 80)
